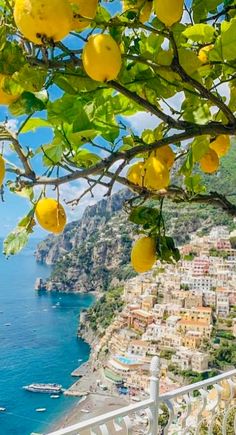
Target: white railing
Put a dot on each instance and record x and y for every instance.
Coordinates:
(203, 408)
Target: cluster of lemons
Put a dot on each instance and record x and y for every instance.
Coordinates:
(154, 173)
(40, 21)
(210, 162)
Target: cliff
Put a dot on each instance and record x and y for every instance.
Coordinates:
(93, 253)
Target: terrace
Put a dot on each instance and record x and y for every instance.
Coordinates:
(203, 408)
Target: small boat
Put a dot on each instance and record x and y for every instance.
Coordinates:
(41, 409)
(44, 388)
(85, 410)
(54, 396)
(7, 324)
(2, 409)
(80, 359)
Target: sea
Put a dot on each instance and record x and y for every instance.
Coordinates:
(37, 344)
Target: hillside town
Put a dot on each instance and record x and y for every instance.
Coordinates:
(185, 313)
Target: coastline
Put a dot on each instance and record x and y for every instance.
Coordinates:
(91, 402)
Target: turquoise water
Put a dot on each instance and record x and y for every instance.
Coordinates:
(126, 360)
(39, 345)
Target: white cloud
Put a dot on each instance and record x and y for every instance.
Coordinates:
(142, 121)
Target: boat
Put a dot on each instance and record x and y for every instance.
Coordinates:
(85, 410)
(44, 388)
(54, 396)
(2, 409)
(41, 409)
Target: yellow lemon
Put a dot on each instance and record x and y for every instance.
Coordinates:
(166, 155)
(85, 8)
(2, 170)
(50, 215)
(156, 174)
(146, 11)
(169, 12)
(4, 97)
(102, 58)
(203, 53)
(209, 163)
(144, 8)
(143, 254)
(43, 19)
(134, 174)
(221, 145)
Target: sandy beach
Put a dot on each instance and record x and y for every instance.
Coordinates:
(96, 404)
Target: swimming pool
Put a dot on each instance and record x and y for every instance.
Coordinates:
(126, 360)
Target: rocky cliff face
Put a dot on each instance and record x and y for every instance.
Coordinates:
(92, 253)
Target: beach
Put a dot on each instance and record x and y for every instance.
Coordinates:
(96, 404)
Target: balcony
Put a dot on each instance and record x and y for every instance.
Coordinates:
(203, 408)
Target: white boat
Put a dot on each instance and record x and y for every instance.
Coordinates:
(41, 409)
(85, 410)
(54, 396)
(2, 409)
(44, 388)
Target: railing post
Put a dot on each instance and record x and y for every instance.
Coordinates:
(154, 392)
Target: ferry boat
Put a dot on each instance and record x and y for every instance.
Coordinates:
(44, 388)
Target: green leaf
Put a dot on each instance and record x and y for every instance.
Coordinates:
(85, 158)
(34, 123)
(144, 215)
(227, 41)
(30, 79)
(200, 33)
(187, 167)
(18, 238)
(27, 103)
(52, 153)
(200, 147)
(194, 184)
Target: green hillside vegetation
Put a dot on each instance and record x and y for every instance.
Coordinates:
(102, 313)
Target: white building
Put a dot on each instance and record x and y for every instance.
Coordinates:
(222, 305)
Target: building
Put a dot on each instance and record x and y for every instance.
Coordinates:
(139, 320)
(190, 360)
(192, 340)
(202, 327)
(199, 362)
(222, 305)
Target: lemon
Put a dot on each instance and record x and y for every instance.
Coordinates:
(143, 254)
(2, 170)
(5, 98)
(146, 11)
(166, 155)
(134, 174)
(43, 19)
(169, 12)
(102, 58)
(209, 163)
(203, 53)
(50, 215)
(156, 174)
(141, 7)
(221, 145)
(85, 8)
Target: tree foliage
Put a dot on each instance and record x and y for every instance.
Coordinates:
(162, 74)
